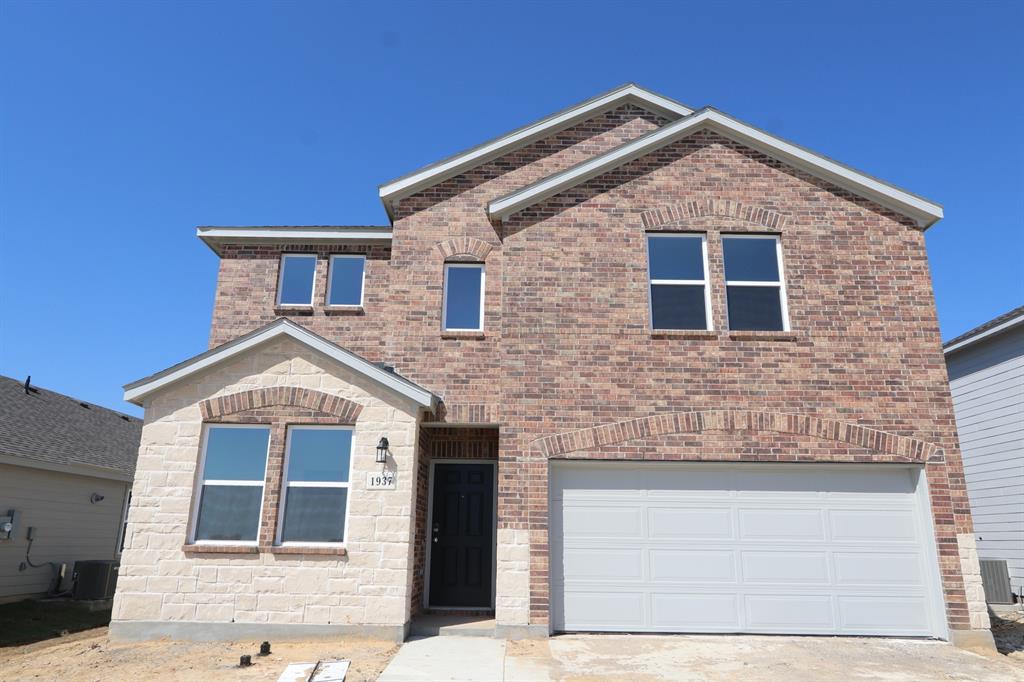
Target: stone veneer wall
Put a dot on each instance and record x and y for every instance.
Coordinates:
(166, 587)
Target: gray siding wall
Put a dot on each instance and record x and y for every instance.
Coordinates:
(68, 526)
(987, 380)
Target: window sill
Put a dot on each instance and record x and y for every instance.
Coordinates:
(344, 310)
(451, 334)
(293, 310)
(739, 335)
(220, 549)
(683, 334)
(337, 550)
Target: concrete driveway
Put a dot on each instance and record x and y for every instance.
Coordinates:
(641, 658)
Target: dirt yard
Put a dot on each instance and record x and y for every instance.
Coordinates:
(1008, 631)
(90, 657)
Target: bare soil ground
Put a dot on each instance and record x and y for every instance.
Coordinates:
(1008, 631)
(90, 657)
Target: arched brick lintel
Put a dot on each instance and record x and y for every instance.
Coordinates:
(699, 208)
(465, 246)
(345, 410)
(895, 448)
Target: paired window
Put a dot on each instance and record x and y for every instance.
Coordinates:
(232, 470)
(314, 495)
(680, 293)
(463, 307)
(296, 282)
(314, 499)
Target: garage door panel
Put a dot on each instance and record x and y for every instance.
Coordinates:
(686, 523)
(798, 613)
(884, 615)
(602, 522)
(781, 524)
(603, 563)
(740, 548)
(864, 568)
(775, 568)
(872, 525)
(669, 565)
(695, 610)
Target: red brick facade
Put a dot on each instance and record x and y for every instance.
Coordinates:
(567, 365)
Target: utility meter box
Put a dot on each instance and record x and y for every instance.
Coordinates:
(7, 525)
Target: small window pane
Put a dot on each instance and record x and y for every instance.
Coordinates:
(346, 286)
(297, 280)
(676, 257)
(319, 455)
(228, 512)
(463, 298)
(675, 306)
(314, 515)
(750, 260)
(754, 308)
(236, 454)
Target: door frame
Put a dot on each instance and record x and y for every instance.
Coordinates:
(430, 520)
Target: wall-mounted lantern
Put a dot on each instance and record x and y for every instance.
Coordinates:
(382, 450)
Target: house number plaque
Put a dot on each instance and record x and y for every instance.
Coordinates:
(380, 480)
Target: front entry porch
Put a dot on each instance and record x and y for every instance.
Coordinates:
(456, 523)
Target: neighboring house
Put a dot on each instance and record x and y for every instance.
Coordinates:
(986, 375)
(639, 367)
(66, 468)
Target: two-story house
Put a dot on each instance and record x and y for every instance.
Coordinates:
(633, 367)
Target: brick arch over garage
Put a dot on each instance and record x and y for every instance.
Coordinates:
(343, 409)
(893, 447)
(469, 247)
(708, 206)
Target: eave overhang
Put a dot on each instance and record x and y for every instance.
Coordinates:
(217, 237)
(924, 212)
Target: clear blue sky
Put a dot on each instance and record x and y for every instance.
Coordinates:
(124, 125)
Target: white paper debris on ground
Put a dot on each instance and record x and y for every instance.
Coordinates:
(321, 671)
(331, 671)
(297, 672)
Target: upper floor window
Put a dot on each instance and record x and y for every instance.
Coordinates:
(232, 469)
(314, 497)
(679, 284)
(295, 283)
(463, 308)
(754, 285)
(345, 280)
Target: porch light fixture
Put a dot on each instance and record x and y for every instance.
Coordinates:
(382, 450)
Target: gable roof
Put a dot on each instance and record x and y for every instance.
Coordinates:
(1004, 322)
(439, 171)
(136, 391)
(923, 211)
(49, 430)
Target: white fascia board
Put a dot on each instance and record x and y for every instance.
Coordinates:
(216, 236)
(454, 165)
(1012, 322)
(921, 210)
(136, 392)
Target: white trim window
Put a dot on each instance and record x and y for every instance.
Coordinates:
(315, 491)
(296, 279)
(678, 273)
(346, 277)
(755, 287)
(232, 470)
(463, 305)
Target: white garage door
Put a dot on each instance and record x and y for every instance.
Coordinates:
(742, 548)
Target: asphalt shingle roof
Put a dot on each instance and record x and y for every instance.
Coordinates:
(995, 322)
(50, 427)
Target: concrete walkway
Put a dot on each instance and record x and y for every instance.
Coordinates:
(652, 658)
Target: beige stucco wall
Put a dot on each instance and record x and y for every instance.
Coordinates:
(368, 587)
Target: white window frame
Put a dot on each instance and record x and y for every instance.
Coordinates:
(708, 320)
(285, 484)
(280, 280)
(330, 280)
(780, 284)
(444, 303)
(197, 490)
